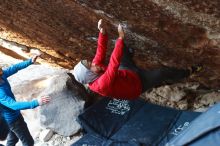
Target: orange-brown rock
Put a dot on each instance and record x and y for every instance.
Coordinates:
(178, 33)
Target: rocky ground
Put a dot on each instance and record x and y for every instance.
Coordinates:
(185, 96)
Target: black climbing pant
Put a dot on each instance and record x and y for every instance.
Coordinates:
(155, 77)
(3, 128)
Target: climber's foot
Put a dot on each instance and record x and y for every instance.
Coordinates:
(196, 68)
(121, 33)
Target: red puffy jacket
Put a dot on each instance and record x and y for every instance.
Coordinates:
(115, 83)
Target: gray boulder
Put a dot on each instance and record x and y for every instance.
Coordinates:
(66, 104)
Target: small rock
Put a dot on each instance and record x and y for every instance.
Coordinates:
(46, 135)
(68, 138)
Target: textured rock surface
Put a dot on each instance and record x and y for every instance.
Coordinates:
(185, 96)
(176, 33)
(61, 113)
(67, 98)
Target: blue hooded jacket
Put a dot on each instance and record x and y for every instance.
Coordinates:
(10, 107)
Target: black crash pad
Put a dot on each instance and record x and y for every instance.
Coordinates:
(203, 131)
(113, 122)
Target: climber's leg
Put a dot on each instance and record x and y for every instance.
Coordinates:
(157, 77)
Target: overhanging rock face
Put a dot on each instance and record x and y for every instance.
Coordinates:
(176, 33)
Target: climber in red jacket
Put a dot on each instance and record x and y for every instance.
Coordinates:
(121, 78)
(108, 80)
